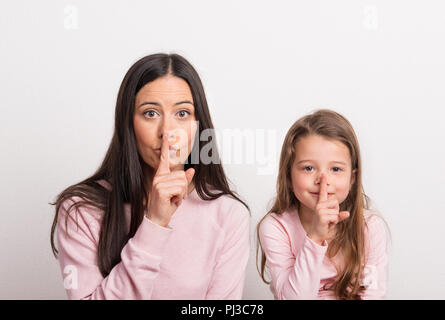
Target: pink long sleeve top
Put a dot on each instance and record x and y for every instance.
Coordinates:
(299, 267)
(201, 254)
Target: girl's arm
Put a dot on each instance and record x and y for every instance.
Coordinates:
(132, 278)
(376, 268)
(294, 276)
(230, 269)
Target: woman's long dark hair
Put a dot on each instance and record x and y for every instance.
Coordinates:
(122, 166)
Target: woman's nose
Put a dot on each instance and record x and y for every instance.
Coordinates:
(167, 127)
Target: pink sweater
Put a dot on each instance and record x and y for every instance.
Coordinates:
(201, 254)
(299, 268)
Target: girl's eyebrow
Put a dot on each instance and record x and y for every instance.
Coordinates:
(340, 162)
(304, 161)
(159, 105)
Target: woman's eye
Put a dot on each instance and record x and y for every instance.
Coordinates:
(150, 113)
(308, 168)
(183, 114)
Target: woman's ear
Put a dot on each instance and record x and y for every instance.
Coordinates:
(353, 176)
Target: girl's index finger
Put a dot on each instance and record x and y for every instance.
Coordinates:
(323, 193)
(164, 164)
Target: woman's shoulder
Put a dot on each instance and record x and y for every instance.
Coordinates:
(104, 183)
(226, 209)
(76, 206)
(228, 203)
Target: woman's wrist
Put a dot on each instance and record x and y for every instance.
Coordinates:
(156, 220)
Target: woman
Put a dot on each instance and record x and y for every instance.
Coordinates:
(154, 222)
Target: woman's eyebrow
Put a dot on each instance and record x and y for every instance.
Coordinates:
(149, 102)
(159, 105)
(184, 101)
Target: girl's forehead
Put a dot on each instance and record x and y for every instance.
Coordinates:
(316, 147)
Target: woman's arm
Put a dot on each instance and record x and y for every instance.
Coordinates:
(228, 276)
(132, 278)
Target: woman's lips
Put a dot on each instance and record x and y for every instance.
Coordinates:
(171, 149)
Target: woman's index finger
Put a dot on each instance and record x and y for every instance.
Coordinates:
(164, 164)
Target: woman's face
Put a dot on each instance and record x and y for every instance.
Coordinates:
(317, 155)
(165, 106)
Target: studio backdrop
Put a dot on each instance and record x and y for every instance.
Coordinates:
(264, 64)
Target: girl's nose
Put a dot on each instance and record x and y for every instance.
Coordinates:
(318, 179)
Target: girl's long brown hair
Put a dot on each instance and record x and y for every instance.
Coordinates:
(122, 166)
(350, 232)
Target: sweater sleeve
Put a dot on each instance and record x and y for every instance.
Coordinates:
(132, 278)
(293, 276)
(376, 268)
(228, 276)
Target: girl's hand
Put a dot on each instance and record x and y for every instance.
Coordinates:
(168, 188)
(326, 216)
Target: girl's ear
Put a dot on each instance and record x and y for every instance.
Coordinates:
(353, 176)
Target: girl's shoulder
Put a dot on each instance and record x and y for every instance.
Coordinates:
(375, 225)
(372, 217)
(284, 222)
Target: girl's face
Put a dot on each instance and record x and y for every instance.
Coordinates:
(165, 106)
(314, 156)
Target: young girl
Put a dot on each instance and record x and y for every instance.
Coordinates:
(320, 240)
(152, 223)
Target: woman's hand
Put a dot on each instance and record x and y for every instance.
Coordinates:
(326, 216)
(168, 188)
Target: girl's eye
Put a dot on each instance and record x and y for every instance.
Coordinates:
(308, 168)
(150, 113)
(183, 114)
(337, 169)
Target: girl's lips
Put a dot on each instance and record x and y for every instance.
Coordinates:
(315, 194)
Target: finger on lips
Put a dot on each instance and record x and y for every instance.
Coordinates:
(323, 195)
(164, 164)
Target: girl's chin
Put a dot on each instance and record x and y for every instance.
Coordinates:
(308, 205)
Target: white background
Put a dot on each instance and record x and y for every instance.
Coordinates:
(379, 63)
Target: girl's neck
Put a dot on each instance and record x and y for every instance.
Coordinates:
(306, 215)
